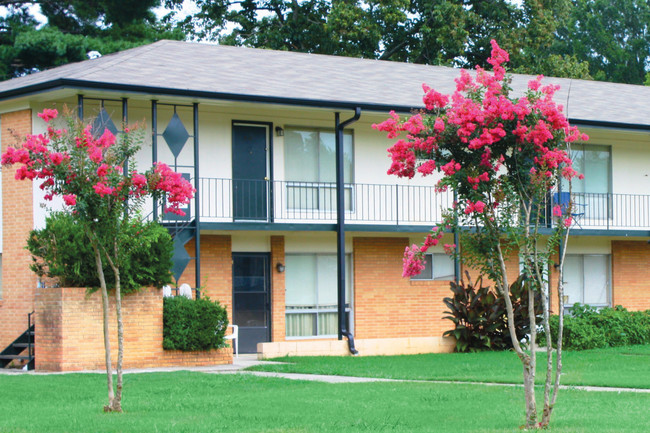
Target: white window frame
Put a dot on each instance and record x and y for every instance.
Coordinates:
(320, 185)
(570, 303)
(349, 309)
(432, 277)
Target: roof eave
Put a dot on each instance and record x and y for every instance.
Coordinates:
(61, 83)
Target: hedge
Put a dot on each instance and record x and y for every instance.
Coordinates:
(191, 325)
(588, 328)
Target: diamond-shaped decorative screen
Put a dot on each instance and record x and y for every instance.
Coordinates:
(103, 122)
(175, 135)
(180, 258)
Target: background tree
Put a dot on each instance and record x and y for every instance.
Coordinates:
(87, 172)
(441, 32)
(73, 29)
(502, 155)
(606, 40)
(613, 36)
(599, 39)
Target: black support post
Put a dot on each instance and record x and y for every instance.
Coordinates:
(125, 121)
(197, 203)
(340, 227)
(154, 146)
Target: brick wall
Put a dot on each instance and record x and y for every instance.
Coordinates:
(18, 281)
(387, 305)
(216, 269)
(278, 330)
(512, 268)
(69, 333)
(631, 274)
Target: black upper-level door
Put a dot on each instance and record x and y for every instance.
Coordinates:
(249, 172)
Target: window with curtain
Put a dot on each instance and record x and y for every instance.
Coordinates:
(587, 279)
(437, 266)
(310, 168)
(311, 294)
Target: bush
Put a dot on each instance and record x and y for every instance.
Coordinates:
(61, 251)
(480, 317)
(588, 328)
(190, 325)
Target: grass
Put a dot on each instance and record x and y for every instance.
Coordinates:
(197, 402)
(612, 367)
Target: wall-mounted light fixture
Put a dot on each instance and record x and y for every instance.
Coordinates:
(280, 267)
(279, 131)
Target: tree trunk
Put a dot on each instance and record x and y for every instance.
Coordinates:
(549, 405)
(526, 359)
(529, 392)
(107, 342)
(117, 401)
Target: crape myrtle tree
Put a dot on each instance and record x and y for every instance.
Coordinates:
(88, 173)
(502, 156)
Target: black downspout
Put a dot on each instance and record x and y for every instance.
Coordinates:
(80, 107)
(154, 146)
(125, 120)
(340, 228)
(197, 203)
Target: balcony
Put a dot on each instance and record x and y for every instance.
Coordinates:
(277, 202)
(227, 200)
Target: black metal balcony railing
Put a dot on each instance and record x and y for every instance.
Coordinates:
(316, 202)
(309, 202)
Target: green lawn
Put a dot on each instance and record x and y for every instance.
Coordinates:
(614, 367)
(197, 402)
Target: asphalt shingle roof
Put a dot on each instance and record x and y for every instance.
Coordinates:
(172, 67)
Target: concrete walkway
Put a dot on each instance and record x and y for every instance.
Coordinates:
(245, 361)
(355, 379)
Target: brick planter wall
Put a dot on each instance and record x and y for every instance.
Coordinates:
(69, 334)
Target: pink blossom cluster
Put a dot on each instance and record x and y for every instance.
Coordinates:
(89, 167)
(474, 181)
(414, 255)
(478, 207)
(558, 212)
(179, 191)
(413, 261)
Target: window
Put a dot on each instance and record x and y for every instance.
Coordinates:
(311, 294)
(591, 194)
(595, 163)
(310, 168)
(437, 266)
(586, 279)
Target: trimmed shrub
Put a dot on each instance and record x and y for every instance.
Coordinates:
(62, 251)
(480, 318)
(588, 328)
(191, 325)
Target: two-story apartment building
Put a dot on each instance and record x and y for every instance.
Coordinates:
(257, 132)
